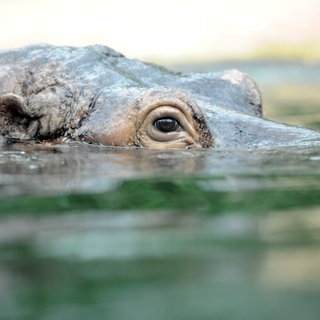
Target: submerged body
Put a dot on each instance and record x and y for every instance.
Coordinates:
(95, 94)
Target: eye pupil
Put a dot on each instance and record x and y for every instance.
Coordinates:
(167, 125)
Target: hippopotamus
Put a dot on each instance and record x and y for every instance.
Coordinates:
(94, 94)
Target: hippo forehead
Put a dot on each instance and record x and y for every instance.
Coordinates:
(93, 68)
(229, 89)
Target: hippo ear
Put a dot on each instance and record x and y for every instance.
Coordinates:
(247, 91)
(230, 89)
(15, 123)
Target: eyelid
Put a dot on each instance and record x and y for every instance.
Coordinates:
(174, 103)
(187, 132)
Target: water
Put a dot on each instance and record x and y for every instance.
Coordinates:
(102, 233)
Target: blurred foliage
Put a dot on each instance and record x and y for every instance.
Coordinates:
(293, 104)
(309, 51)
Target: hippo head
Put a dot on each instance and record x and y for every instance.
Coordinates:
(95, 94)
(163, 117)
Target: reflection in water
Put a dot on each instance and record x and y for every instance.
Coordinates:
(86, 168)
(122, 262)
(80, 168)
(88, 232)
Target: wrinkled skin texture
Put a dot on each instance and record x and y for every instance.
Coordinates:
(95, 94)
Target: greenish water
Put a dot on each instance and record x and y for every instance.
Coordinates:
(100, 233)
(89, 232)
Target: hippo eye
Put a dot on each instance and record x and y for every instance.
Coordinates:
(167, 125)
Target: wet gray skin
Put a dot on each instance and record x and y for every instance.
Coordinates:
(96, 95)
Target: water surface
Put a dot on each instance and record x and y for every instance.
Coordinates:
(102, 233)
